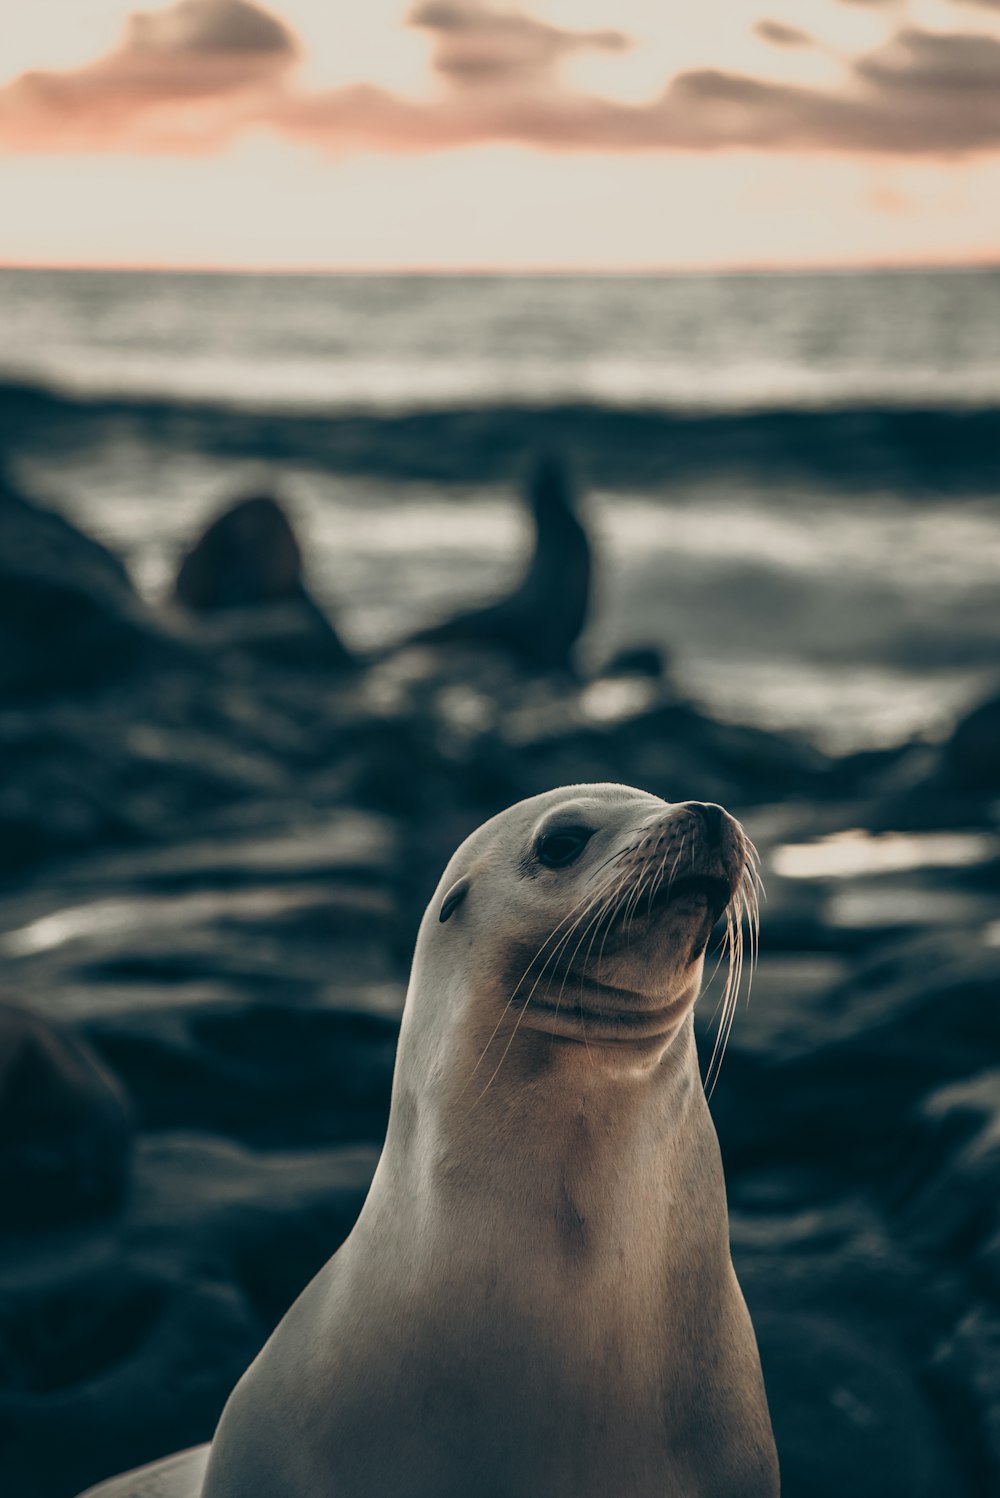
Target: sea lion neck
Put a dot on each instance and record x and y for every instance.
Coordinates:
(585, 1165)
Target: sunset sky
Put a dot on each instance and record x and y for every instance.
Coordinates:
(448, 134)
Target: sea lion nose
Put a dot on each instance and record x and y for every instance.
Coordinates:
(712, 816)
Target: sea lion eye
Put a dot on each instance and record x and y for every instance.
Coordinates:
(558, 848)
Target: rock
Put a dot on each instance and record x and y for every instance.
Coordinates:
(972, 754)
(70, 620)
(967, 1370)
(952, 1201)
(271, 1074)
(846, 1080)
(122, 1345)
(247, 567)
(295, 635)
(848, 1415)
(65, 1126)
(637, 660)
(844, 1320)
(247, 555)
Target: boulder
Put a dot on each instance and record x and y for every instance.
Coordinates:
(121, 1345)
(972, 754)
(65, 1126)
(69, 617)
(246, 566)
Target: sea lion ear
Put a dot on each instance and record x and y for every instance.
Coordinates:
(453, 899)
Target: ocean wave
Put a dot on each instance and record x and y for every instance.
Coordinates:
(913, 449)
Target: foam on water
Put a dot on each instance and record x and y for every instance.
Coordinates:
(409, 342)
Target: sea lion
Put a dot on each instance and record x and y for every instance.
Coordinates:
(538, 623)
(537, 1300)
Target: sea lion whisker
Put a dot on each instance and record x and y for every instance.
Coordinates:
(583, 901)
(595, 923)
(711, 1073)
(632, 900)
(644, 881)
(588, 902)
(735, 999)
(723, 948)
(615, 857)
(593, 914)
(677, 862)
(729, 1013)
(517, 1022)
(660, 873)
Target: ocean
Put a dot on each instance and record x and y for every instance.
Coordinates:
(792, 479)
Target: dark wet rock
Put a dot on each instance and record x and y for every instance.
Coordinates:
(972, 754)
(123, 1344)
(966, 1369)
(538, 623)
(848, 1415)
(246, 569)
(832, 1295)
(78, 775)
(247, 555)
(637, 660)
(949, 1209)
(65, 1126)
(790, 995)
(904, 1019)
(69, 617)
(664, 745)
(952, 1205)
(180, 1348)
(295, 635)
(348, 844)
(269, 1073)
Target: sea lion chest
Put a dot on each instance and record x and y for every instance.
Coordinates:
(546, 1331)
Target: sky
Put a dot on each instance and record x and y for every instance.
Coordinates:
(466, 134)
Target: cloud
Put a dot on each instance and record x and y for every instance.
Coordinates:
(780, 35)
(926, 64)
(208, 27)
(474, 43)
(922, 93)
(193, 76)
(181, 78)
(919, 94)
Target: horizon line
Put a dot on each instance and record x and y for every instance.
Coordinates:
(734, 268)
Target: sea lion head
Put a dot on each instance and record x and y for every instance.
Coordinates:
(583, 916)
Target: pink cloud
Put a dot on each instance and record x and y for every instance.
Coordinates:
(180, 78)
(193, 76)
(476, 44)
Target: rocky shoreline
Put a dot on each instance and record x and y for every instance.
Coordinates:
(216, 840)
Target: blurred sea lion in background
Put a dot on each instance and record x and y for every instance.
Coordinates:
(539, 622)
(245, 570)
